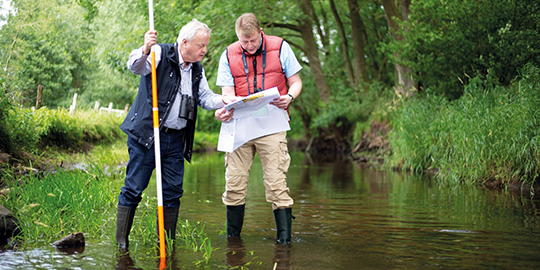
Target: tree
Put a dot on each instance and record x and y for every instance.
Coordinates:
(332, 98)
(305, 27)
(404, 83)
(44, 44)
(344, 44)
(452, 41)
(85, 51)
(358, 35)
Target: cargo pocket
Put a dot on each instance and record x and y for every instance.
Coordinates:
(284, 157)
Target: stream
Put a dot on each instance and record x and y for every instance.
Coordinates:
(347, 217)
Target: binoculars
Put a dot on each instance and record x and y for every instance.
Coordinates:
(187, 108)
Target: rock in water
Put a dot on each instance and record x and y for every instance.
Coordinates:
(70, 241)
(9, 225)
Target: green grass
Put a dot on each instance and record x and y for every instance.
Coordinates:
(84, 200)
(491, 133)
(34, 130)
(57, 204)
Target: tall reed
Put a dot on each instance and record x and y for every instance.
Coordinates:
(491, 133)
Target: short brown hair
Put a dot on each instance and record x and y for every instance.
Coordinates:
(247, 25)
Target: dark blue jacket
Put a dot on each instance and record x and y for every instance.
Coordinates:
(138, 123)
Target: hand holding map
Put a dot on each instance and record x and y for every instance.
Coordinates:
(253, 118)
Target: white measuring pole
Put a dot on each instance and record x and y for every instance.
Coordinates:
(157, 151)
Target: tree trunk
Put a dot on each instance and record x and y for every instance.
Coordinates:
(39, 96)
(311, 49)
(405, 10)
(404, 83)
(358, 29)
(344, 43)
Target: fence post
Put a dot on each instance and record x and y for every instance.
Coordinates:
(72, 107)
(39, 96)
(96, 106)
(110, 107)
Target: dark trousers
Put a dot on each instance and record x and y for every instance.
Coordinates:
(141, 164)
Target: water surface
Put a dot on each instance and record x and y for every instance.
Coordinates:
(347, 217)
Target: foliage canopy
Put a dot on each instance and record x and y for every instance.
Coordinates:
(353, 52)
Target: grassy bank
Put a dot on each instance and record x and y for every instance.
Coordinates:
(40, 137)
(82, 160)
(35, 137)
(84, 199)
(490, 135)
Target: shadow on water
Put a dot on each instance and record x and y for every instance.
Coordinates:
(347, 217)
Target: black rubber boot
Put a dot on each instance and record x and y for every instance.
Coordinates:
(170, 218)
(235, 219)
(283, 218)
(124, 220)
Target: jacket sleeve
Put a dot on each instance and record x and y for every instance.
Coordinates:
(140, 63)
(208, 100)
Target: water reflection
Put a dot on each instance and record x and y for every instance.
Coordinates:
(237, 255)
(124, 261)
(236, 252)
(282, 256)
(347, 217)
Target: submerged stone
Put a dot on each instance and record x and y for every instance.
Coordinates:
(70, 241)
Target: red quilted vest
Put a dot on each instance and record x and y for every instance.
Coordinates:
(273, 73)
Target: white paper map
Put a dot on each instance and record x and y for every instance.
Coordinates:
(253, 118)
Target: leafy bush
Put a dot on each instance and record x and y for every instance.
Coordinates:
(207, 122)
(33, 130)
(449, 42)
(205, 140)
(350, 109)
(342, 108)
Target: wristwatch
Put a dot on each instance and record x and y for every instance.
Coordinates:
(292, 98)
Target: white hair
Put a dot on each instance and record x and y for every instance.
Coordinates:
(189, 30)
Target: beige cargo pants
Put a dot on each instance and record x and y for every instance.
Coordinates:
(275, 160)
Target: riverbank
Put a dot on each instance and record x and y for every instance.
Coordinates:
(488, 137)
(80, 196)
(373, 149)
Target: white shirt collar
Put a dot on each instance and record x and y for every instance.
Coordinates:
(181, 62)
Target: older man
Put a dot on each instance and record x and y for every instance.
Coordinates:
(182, 86)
